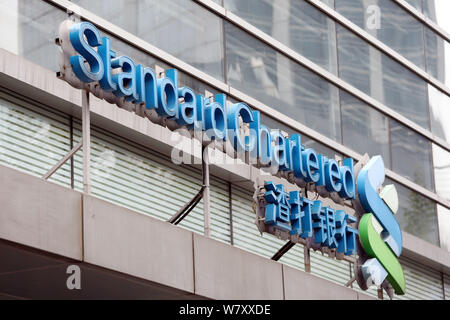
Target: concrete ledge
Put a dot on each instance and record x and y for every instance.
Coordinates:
(40, 214)
(426, 253)
(136, 244)
(226, 272)
(300, 285)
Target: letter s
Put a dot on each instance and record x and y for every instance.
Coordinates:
(86, 50)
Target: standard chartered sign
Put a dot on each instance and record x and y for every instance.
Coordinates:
(88, 62)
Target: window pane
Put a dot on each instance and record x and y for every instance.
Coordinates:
(438, 56)
(416, 4)
(282, 84)
(306, 141)
(441, 163)
(330, 3)
(416, 214)
(397, 29)
(440, 115)
(437, 10)
(296, 24)
(411, 155)
(30, 30)
(444, 226)
(379, 76)
(363, 128)
(179, 27)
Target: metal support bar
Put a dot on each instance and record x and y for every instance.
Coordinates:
(206, 191)
(72, 171)
(187, 208)
(63, 160)
(349, 282)
(230, 213)
(86, 118)
(277, 256)
(307, 259)
(380, 293)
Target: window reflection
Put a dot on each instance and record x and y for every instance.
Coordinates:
(281, 83)
(444, 226)
(437, 10)
(179, 27)
(416, 214)
(411, 155)
(438, 56)
(29, 30)
(296, 24)
(306, 141)
(379, 76)
(441, 164)
(440, 116)
(398, 29)
(363, 128)
(416, 4)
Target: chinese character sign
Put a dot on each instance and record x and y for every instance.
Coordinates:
(290, 212)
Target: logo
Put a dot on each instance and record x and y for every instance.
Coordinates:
(88, 62)
(379, 231)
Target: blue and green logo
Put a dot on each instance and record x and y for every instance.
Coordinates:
(379, 231)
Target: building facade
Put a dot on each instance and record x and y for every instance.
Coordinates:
(352, 77)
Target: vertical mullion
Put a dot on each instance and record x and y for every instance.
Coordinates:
(230, 210)
(72, 179)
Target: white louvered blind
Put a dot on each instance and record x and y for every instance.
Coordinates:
(246, 235)
(33, 142)
(422, 283)
(150, 183)
(334, 270)
(447, 287)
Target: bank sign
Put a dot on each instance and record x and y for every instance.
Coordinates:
(88, 62)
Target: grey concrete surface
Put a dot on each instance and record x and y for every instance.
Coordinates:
(136, 244)
(300, 285)
(40, 214)
(426, 253)
(226, 272)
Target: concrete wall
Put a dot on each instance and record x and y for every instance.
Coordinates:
(40, 214)
(52, 218)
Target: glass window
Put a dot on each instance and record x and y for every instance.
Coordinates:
(140, 57)
(280, 83)
(444, 226)
(416, 214)
(379, 76)
(306, 141)
(411, 155)
(296, 24)
(30, 30)
(440, 115)
(179, 27)
(437, 10)
(397, 28)
(416, 4)
(438, 56)
(441, 164)
(364, 129)
(330, 3)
